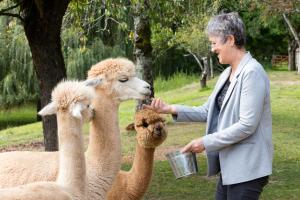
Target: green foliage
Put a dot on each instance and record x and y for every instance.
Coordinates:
(91, 33)
(94, 37)
(192, 37)
(17, 77)
(267, 33)
(80, 54)
(81, 48)
(178, 30)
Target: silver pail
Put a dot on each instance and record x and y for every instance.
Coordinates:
(183, 164)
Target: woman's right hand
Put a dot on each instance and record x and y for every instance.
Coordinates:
(160, 106)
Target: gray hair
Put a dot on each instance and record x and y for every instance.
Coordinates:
(223, 25)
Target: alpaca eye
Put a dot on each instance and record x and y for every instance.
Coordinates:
(123, 80)
(145, 124)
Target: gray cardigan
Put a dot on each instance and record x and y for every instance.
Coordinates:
(238, 138)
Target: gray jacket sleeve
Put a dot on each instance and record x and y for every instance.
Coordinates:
(191, 113)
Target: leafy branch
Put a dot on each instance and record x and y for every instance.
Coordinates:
(4, 12)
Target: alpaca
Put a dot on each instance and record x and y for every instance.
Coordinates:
(70, 102)
(103, 155)
(151, 132)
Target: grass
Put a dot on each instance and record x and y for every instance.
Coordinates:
(17, 116)
(285, 181)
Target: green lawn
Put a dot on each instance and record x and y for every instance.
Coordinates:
(285, 181)
(17, 116)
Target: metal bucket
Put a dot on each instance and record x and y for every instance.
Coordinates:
(183, 164)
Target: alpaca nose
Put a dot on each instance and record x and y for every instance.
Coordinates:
(148, 86)
(93, 113)
(157, 130)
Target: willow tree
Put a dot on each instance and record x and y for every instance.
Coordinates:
(42, 21)
(18, 83)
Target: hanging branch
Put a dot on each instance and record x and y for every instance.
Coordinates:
(197, 60)
(4, 12)
(291, 28)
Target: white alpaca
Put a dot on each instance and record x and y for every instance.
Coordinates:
(103, 156)
(70, 102)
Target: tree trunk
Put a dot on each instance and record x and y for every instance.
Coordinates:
(204, 72)
(203, 64)
(292, 55)
(203, 80)
(142, 47)
(211, 67)
(42, 25)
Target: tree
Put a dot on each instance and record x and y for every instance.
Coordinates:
(142, 46)
(289, 10)
(42, 21)
(193, 39)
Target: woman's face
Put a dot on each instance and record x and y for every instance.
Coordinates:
(222, 49)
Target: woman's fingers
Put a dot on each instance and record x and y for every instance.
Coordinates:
(144, 106)
(195, 146)
(186, 148)
(157, 104)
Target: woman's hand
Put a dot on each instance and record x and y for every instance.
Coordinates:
(160, 106)
(195, 146)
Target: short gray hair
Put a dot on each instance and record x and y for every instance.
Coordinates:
(223, 25)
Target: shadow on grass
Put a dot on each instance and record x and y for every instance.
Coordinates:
(17, 116)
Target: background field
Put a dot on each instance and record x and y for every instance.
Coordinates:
(284, 183)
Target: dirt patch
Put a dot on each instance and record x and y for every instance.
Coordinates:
(32, 146)
(159, 153)
(285, 82)
(39, 146)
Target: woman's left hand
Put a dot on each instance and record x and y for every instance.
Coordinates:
(195, 146)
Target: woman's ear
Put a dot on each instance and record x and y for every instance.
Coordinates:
(231, 40)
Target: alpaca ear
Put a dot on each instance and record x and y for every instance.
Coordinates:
(130, 127)
(49, 109)
(93, 82)
(76, 110)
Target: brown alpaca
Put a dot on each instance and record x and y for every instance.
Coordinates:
(151, 132)
(70, 102)
(103, 156)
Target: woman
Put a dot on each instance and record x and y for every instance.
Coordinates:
(238, 140)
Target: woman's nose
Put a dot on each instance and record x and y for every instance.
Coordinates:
(212, 49)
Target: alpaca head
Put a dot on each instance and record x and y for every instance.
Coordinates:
(73, 98)
(119, 79)
(150, 128)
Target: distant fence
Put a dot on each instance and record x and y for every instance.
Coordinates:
(280, 60)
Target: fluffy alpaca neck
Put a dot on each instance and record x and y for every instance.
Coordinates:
(104, 150)
(141, 171)
(72, 171)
